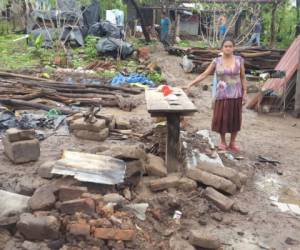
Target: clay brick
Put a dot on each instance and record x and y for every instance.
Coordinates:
(90, 135)
(156, 166)
(86, 206)
(22, 151)
(209, 179)
(113, 234)
(80, 124)
(79, 229)
(220, 200)
(14, 134)
(66, 193)
(201, 238)
(171, 181)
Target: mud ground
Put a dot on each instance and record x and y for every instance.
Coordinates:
(276, 137)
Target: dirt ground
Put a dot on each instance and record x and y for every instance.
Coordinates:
(276, 137)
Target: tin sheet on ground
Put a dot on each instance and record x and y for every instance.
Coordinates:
(91, 167)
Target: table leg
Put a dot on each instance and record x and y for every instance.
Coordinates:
(172, 150)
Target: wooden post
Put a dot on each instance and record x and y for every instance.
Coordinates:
(173, 124)
(297, 95)
(177, 30)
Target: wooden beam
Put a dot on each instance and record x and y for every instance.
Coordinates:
(297, 95)
(173, 124)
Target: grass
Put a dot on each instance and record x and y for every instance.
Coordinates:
(15, 55)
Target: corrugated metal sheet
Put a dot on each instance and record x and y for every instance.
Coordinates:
(288, 63)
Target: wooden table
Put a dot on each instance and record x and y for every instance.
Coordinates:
(159, 106)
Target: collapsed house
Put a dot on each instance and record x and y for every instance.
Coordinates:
(278, 93)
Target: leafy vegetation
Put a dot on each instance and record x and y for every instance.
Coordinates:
(285, 26)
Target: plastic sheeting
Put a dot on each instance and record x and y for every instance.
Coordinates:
(115, 16)
(91, 14)
(132, 78)
(105, 29)
(114, 47)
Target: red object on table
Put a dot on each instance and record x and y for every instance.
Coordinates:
(166, 90)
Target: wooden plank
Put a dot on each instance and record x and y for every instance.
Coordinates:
(172, 150)
(158, 103)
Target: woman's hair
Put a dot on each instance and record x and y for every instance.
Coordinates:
(227, 39)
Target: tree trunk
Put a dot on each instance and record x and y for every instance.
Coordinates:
(140, 16)
(273, 22)
(297, 95)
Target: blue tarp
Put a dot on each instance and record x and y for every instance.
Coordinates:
(132, 78)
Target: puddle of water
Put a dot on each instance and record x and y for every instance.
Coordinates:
(286, 199)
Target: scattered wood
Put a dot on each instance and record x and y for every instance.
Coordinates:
(17, 90)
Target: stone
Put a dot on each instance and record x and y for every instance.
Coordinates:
(127, 194)
(38, 228)
(15, 134)
(134, 167)
(238, 207)
(110, 120)
(28, 184)
(11, 203)
(113, 198)
(228, 173)
(66, 193)
(170, 181)
(86, 206)
(42, 199)
(28, 245)
(122, 123)
(177, 243)
(220, 200)
(80, 124)
(79, 229)
(22, 151)
(45, 169)
(201, 238)
(187, 184)
(156, 166)
(4, 237)
(114, 234)
(93, 136)
(127, 152)
(209, 179)
(243, 178)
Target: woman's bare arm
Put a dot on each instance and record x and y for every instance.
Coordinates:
(210, 69)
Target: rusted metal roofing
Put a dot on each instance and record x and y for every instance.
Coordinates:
(288, 63)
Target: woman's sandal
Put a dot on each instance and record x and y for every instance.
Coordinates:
(234, 148)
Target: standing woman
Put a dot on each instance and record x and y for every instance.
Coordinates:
(231, 93)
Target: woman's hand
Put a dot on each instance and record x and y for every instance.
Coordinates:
(245, 97)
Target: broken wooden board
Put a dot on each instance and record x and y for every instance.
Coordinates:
(159, 105)
(91, 167)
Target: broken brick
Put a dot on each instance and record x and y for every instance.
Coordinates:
(79, 229)
(113, 234)
(201, 238)
(42, 199)
(86, 206)
(220, 200)
(66, 193)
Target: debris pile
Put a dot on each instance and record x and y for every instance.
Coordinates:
(122, 197)
(255, 59)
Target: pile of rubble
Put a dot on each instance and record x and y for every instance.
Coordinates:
(119, 197)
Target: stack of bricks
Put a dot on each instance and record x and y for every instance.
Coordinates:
(95, 130)
(21, 146)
